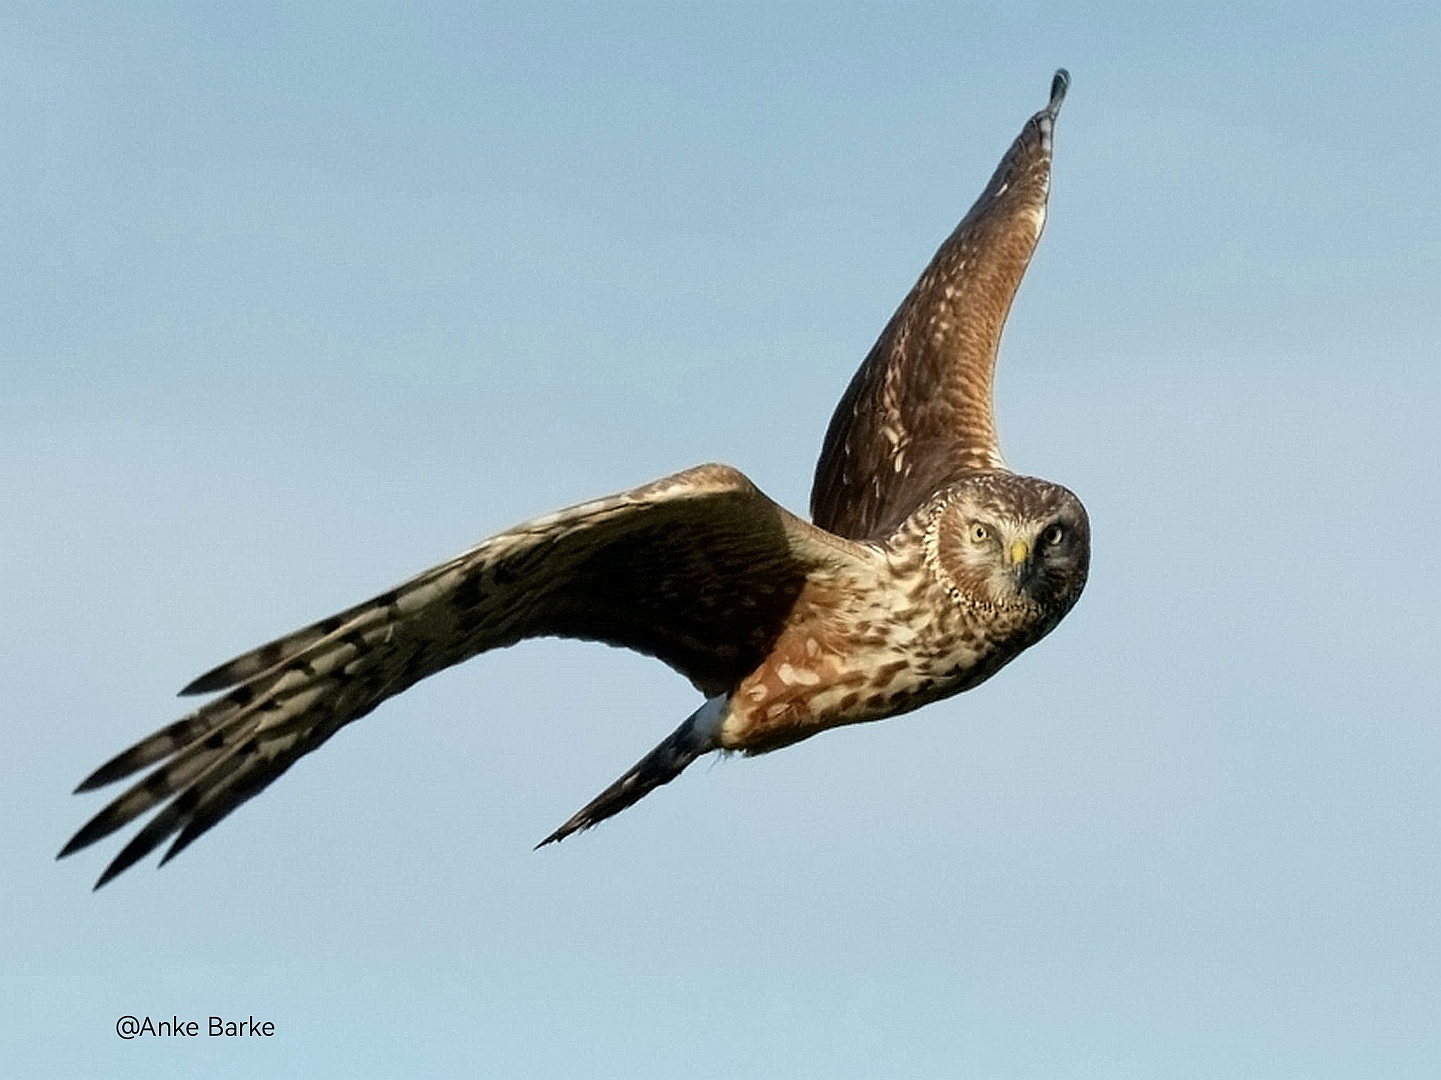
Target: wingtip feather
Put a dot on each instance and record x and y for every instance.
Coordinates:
(215, 679)
(131, 854)
(157, 746)
(77, 842)
(197, 827)
(117, 768)
(1060, 83)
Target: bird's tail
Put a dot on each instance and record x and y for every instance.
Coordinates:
(698, 735)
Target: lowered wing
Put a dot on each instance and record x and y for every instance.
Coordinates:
(700, 569)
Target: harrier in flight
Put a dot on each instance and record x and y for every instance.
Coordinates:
(928, 567)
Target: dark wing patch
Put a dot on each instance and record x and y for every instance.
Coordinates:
(918, 412)
(699, 569)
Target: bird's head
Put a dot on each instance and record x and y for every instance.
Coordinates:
(1014, 541)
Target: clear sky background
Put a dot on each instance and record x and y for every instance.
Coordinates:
(296, 300)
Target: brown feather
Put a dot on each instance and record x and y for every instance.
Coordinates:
(918, 412)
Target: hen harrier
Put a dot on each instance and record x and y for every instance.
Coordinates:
(928, 568)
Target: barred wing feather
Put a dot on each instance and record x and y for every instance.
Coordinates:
(699, 569)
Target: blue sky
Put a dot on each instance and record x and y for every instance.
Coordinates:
(297, 301)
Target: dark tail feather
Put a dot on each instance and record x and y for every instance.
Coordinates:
(695, 737)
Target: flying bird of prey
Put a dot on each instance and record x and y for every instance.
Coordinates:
(929, 566)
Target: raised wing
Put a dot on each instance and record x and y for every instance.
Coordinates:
(918, 412)
(700, 569)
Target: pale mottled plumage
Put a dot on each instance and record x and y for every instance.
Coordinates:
(928, 569)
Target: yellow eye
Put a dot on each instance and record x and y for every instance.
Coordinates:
(979, 533)
(1053, 536)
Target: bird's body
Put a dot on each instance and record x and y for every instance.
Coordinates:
(880, 639)
(929, 567)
